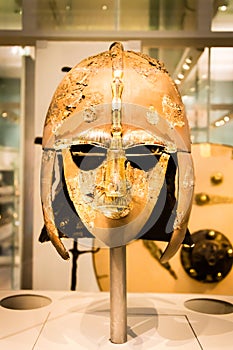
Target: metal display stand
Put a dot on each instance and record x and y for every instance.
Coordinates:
(118, 299)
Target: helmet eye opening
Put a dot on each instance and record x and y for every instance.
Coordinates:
(88, 157)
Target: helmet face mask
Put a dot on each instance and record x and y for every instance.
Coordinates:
(114, 190)
(112, 156)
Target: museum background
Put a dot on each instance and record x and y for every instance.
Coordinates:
(37, 39)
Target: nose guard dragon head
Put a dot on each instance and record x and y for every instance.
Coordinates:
(116, 162)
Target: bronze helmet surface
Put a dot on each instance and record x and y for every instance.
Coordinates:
(116, 160)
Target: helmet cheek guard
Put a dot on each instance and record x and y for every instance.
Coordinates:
(116, 160)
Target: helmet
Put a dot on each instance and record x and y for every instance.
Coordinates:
(116, 162)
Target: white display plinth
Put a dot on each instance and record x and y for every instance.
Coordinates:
(79, 320)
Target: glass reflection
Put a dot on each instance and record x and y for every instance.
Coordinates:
(10, 92)
(11, 15)
(223, 16)
(130, 15)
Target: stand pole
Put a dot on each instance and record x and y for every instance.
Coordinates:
(118, 303)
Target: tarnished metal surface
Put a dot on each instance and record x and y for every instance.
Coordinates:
(115, 125)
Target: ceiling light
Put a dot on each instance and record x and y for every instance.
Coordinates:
(104, 7)
(222, 8)
(226, 118)
(177, 81)
(15, 50)
(188, 60)
(181, 76)
(186, 66)
(21, 51)
(219, 123)
(4, 114)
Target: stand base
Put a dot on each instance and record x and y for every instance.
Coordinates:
(75, 320)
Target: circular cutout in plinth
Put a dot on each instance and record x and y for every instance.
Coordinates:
(209, 306)
(25, 301)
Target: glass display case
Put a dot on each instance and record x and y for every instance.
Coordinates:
(9, 180)
(11, 14)
(204, 77)
(116, 15)
(192, 38)
(9, 223)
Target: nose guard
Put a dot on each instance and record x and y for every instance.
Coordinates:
(117, 102)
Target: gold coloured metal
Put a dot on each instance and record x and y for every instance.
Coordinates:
(105, 107)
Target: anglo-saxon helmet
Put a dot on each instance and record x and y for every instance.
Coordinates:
(116, 160)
